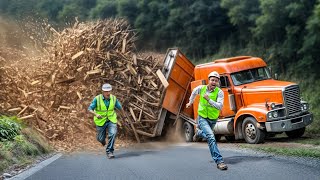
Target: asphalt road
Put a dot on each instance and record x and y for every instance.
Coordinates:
(179, 161)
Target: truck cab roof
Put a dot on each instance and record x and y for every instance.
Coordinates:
(228, 66)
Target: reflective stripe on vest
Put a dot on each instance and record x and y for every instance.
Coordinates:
(107, 114)
(205, 110)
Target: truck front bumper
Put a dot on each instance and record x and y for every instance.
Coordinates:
(289, 124)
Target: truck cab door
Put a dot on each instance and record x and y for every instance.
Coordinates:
(226, 88)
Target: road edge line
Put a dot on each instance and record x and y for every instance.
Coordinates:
(31, 171)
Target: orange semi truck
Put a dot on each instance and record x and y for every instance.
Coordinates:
(255, 105)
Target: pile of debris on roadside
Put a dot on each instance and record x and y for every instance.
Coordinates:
(52, 92)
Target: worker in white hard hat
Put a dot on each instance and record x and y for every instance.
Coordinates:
(103, 108)
(210, 105)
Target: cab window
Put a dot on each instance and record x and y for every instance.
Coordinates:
(224, 82)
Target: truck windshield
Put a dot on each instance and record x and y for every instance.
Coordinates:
(251, 75)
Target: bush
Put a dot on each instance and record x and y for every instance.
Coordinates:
(8, 128)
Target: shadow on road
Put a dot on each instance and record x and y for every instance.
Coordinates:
(134, 154)
(239, 159)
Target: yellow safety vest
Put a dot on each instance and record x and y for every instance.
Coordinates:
(107, 114)
(205, 110)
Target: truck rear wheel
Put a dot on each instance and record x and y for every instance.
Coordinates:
(251, 133)
(188, 131)
(295, 133)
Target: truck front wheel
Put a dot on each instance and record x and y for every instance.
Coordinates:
(252, 134)
(296, 133)
(188, 131)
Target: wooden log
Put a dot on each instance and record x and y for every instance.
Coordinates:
(35, 82)
(14, 109)
(153, 83)
(98, 45)
(124, 43)
(132, 70)
(23, 110)
(134, 57)
(64, 107)
(149, 95)
(133, 128)
(78, 54)
(95, 71)
(145, 133)
(132, 114)
(79, 95)
(144, 112)
(149, 121)
(27, 117)
(143, 100)
(162, 79)
(140, 114)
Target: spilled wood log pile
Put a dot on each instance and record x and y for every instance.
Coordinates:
(55, 95)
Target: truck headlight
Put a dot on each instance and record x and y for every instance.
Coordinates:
(304, 107)
(275, 114)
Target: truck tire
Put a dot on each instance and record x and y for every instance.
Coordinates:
(188, 131)
(251, 133)
(295, 133)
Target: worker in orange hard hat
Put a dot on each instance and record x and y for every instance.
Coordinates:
(210, 104)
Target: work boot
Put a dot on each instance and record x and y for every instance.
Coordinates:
(222, 166)
(110, 155)
(195, 137)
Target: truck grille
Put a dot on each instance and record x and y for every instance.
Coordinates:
(292, 100)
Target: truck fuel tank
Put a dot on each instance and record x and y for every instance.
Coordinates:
(224, 126)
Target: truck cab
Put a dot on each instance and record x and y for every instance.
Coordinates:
(254, 104)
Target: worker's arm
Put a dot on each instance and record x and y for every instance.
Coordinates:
(118, 105)
(193, 95)
(93, 106)
(220, 99)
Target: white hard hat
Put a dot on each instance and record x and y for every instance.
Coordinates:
(214, 74)
(106, 87)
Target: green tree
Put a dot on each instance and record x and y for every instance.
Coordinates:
(243, 15)
(76, 8)
(311, 42)
(128, 9)
(104, 9)
(50, 8)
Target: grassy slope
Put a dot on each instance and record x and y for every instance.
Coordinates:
(22, 150)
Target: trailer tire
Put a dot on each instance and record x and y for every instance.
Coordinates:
(252, 134)
(295, 133)
(188, 131)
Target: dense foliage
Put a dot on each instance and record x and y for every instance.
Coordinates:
(8, 128)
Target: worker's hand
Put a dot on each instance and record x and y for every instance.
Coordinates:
(98, 116)
(206, 97)
(188, 105)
